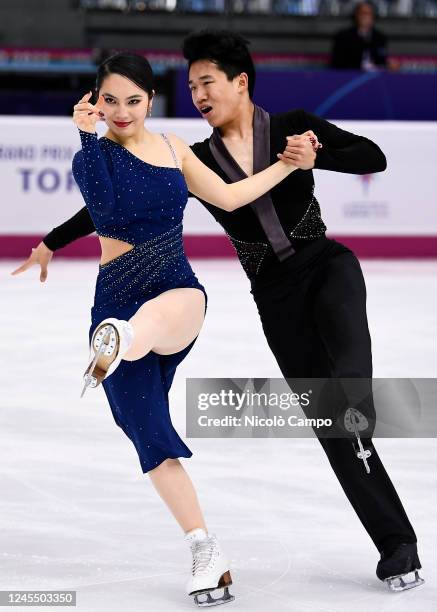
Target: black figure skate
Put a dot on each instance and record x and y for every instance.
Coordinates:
(393, 568)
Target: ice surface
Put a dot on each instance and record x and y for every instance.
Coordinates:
(77, 513)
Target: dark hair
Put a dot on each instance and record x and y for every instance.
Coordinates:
(228, 50)
(361, 4)
(134, 67)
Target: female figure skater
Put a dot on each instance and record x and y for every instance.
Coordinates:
(149, 306)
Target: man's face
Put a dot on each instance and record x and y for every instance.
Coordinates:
(215, 97)
(365, 16)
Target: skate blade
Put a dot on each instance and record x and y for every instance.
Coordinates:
(211, 601)
(88, 383)
(397, 583)
(94, 374)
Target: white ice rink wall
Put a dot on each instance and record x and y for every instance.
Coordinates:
(393, 212)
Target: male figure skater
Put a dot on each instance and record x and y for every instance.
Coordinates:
(309, 290)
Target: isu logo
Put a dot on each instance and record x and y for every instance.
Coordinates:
(366, 207)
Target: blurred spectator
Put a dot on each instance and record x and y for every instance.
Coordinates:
(362, 46)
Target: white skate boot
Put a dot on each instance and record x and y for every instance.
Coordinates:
(210, 569)
(110, 341)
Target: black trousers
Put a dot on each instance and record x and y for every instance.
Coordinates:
(313, 311)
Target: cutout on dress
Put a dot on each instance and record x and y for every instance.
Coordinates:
(121, 253)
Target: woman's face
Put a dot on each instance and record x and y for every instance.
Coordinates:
(124, 105)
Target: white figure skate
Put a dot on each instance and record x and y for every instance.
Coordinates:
(210, 570)
(110, 341)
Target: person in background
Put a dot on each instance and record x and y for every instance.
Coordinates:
(362, 46)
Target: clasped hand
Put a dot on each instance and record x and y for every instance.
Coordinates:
(301, 150)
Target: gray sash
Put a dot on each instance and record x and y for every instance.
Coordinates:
(263, 206)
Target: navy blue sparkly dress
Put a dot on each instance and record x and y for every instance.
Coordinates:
(142, 204)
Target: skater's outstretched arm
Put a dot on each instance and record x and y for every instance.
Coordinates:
(344, 151)
(207, 185)
(78, 226)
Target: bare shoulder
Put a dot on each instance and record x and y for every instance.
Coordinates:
(180, 146)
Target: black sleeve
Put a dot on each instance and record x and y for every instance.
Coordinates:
(343, 151)
(78, 226)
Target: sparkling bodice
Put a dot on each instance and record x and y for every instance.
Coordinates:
(128, 198)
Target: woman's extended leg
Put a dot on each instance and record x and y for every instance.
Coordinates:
(177, 491)
(167, 323)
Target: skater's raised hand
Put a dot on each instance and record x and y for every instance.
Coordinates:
(41, 255)
(86, 115)
(301, 150)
